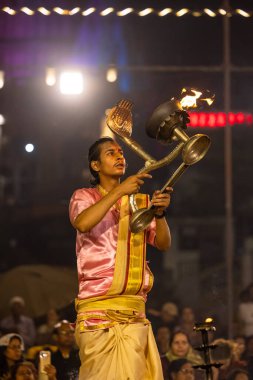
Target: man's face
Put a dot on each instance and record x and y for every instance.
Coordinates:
(112, 162)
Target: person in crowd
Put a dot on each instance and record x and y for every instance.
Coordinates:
(114, 337)
(186, 324)
(25, 370)
(238, 374)
(181, 369)
(65, 359)
(224, 354)
(45, 331)
(180, 348)
(166, 316)
(11, 352)
(18, 322)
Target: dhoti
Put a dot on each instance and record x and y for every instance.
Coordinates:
(122, 352)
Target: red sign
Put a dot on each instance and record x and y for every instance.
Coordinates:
(218, 120)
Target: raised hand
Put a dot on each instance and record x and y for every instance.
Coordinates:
(132, 184)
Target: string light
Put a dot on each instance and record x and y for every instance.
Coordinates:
(44, 11)
(107, 11)
(145, 12)
(27, 11)
(88, 11)
(124, 12)
(165, 12)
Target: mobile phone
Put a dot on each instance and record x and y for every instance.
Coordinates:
(44, 360)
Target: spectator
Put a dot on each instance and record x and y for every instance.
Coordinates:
(26, 370)
(186, 324)
(224, 354)
(18, 323)
(11, 352)
(238, 374)
(180, 348)
(66, 358)
(181, 369)
(45, 331)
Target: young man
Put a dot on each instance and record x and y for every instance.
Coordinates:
(114, 337)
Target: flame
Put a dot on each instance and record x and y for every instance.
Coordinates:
(192, 101)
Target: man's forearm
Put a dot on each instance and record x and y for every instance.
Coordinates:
(163, 236)
(95, 213)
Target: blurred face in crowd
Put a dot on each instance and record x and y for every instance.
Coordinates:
(180, 345)
(241, 376)
(25, 372)
(188, 315)
(13, 351)
(17, 309)
(185, 373)
(65, 336)
(163, 335)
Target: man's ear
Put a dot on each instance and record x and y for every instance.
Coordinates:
(95, 166)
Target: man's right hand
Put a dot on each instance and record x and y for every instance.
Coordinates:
(132, 184)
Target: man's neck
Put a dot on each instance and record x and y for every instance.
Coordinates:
(109, 183)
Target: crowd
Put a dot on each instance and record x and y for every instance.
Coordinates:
(22, 341)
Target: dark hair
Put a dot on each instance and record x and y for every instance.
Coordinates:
(4, 367)
(176, 365)
(94, 155)
(232, 375)
(176, 333)
(26, 363)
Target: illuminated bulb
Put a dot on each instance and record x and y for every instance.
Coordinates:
(29, 148)
(242, 13)
(222, 12)
(196, 14)
(165, 12)
(2, 119)
(71, 83)
(112, 75)
(146, 11)
(27, 11)
(107, 11)
(1, 79)
(50, 76)
(74, 11)
(9, 10)
(209, 12)
(209, 320)
(58, 10)
(182, 12)
(44, 11)
(88, 11)
(125, 12)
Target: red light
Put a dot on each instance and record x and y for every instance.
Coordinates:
(219, 119)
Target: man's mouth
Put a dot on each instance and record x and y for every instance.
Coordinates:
(119, 165)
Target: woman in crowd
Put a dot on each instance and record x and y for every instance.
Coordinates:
(180, 369)
(11, 352)
(180, 348)
(26, 371)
